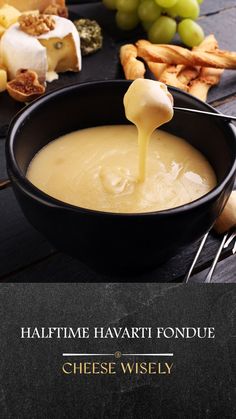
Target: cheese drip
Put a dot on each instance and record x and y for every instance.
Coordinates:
(97, 168)
(148, 105)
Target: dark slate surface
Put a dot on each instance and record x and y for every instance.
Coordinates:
(62, 268)
(3, 171)
(208, 7)
(203, 383)
(228, 107)
(225, 272)
(26, 256)
(201, 386)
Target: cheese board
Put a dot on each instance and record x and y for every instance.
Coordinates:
(103, 64)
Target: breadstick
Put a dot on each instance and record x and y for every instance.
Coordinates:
(132, 67)
(174, 55)
(208, 44)
(167, 74)
(156, 68)
(170, 76)
(187, 74)
(208, 77)
(181, 75)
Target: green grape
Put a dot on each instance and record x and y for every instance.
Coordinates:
(200, 1)
(127, 6)
(166, 3)
(190, 32)
(126, 21)
(162, 30)
(110, 4)
(146, 25)
(148, 11)
(171, 12)
(187, 8)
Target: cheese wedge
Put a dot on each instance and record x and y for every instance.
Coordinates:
(56, 51)
(8, 15)
(24, 5)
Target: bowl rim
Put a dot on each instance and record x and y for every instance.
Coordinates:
(31, 190)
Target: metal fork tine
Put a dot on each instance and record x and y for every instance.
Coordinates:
(226, 240)
(189, 273)
(230, 239)
(214, 263)
(234, 249)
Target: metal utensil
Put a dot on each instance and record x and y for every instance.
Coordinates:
(196, 111)
(225, 242)
(224, 225)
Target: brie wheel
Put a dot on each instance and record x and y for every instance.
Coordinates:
(54, 51)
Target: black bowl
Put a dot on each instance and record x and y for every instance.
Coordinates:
(107, 241)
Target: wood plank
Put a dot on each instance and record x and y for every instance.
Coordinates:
(227, 107)
(20, 244)
(9, 108)
(225, 272)
(3, 171)
(214, 6)
(63, 268)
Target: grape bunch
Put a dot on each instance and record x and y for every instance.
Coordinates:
(161, 19)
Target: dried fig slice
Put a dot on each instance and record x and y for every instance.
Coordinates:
(25, 87)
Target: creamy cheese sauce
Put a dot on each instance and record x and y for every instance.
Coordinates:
(107, 169)
(148, 105)
(97, 168)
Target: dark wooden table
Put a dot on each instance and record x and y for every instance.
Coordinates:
(26, 256)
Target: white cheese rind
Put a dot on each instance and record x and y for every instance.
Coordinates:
(19, 50)
(63, 28)
(22, 51)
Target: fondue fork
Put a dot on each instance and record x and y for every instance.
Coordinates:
(196, 111)
(225, 242)
(226, 225)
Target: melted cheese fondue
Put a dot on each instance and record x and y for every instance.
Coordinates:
(148, 105)
(97, 168)
(103, 168)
